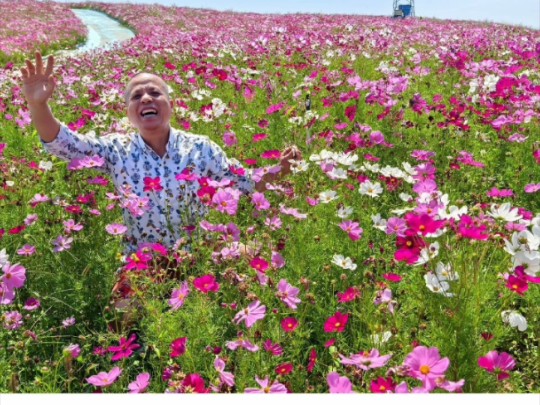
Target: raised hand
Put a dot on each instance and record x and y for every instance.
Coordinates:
(38, 84)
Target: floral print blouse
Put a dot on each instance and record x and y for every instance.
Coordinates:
(167, 213)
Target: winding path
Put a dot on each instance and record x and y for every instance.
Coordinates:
(103, 31)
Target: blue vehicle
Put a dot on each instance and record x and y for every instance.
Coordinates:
(403, 8)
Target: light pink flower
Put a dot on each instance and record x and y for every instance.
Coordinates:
(288, 294)
(27, 250)
(140, 384)
(116, 229)
(266, 387)
(338, 384)
(425, 364)
(14, 276)
(243, 343)
(366, 360)
(104, 379)
(179, 295)
(225, 377)
(254, 312)
(260, 202)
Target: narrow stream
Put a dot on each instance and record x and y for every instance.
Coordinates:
(103, 31)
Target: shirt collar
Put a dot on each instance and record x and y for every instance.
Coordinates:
(173, 136)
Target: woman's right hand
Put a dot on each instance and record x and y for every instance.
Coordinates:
(38, 85)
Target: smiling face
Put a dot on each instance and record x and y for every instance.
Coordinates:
(149, 107)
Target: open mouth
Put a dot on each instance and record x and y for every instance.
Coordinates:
(149, 112)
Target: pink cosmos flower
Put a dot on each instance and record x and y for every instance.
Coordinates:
(392, 277)
(74, 350)
(243, 343)
(336, 323)
(179, 295)
(104, 379)
(32, 304)
(500, 364)
(271, 154)
(178, 347)
(260, 202)
(338, 384)
(425, 364)
(229, 139)
(140, 384)
(266, 387)
(275, 108)
(71, 226)
(397, 226)
(66, 323)
(366, 360)
(259, 264)
(125, 348)
(27, 250)
(61, 244)
(349, 295)
(186, 175)
(409, 247)
(116, 229)
(226, 377)
(468, 228)
(274, 348)
(284, 369)
(353, 229)
(259, 137)
(383, 385)
(14, 276)
(312, 360)
(206, 284)
(152, 184)
(288, 294)
(532, 188)
(225, 201)
(277, 260)
(194, 383)
(13, 320)
(423, 224)
(254, 312)
(289, 324)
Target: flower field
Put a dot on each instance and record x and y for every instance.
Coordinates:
(402, 254)
(31, 26)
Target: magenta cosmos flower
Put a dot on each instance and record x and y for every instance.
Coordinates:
(104, 379)
(125, 349)
(206, 284)
(178, 347)
(266, 387)
(254, 312)
(500, 364)
(336, 323)
(338, 384)
(152, 184)
(425, 364)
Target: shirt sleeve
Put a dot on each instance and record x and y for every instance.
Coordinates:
(69, 145)
(221, 167)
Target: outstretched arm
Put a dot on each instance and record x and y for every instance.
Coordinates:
(38, 86)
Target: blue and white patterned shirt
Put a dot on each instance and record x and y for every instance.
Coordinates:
(128, 160)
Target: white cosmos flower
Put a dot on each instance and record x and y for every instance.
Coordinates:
(515, 320)
(46, 166)
(337, 174)
(437, 285)
(523, 241)
(505, 212)
(405, 197)
(4, 258)
(379, 222)
(345, 159)
(379, 338)
(408, 168)
(326, 196)
(444, 272)
(298, 166)
(428, 253)
(344, 262)
(529, 260)
(344, 212)
(374, 190)
(452, 212)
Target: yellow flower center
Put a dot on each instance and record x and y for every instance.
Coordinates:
(425, 370)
